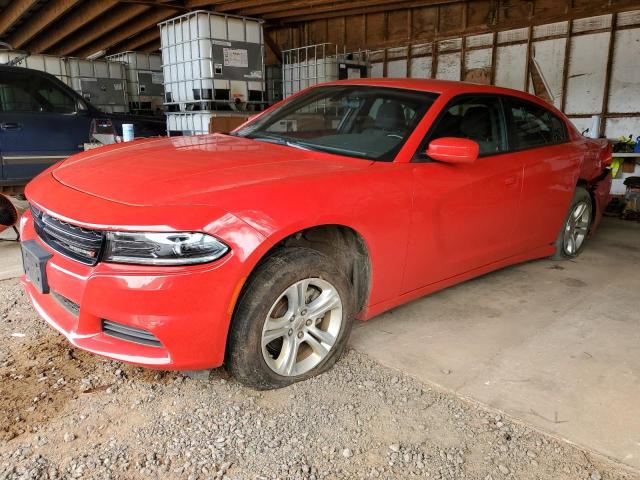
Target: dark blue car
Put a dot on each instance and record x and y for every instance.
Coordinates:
(43, 121)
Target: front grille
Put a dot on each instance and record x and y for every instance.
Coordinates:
(71, 307)
(75, 242)
(130, 334)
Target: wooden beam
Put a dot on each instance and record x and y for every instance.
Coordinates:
(273, 46)
(136, 42)
(40, 20)
(434, 46)
(192, 4)
(353, 8)
(105, 24)
(126, 31)
(566, 65)
(77, 19)
(14, 12)
(240, 5)
(289, 6)
(151, 47)
(608, 73)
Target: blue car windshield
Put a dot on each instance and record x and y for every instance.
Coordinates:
(353, 120)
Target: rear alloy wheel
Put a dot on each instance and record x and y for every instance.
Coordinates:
(292, 321)
(573, 235)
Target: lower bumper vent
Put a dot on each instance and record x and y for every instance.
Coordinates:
(130, 334)
(67, 304)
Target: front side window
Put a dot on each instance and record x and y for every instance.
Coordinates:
(535, 126)
(15, 97)
(24, 93)
(475, 118)
(358, 121)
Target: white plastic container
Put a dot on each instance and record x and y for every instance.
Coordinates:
(209, 57)
(313, 64)
(127, 132)
(45, 63)
(145, 89)
(197, 122)
(100, 82)
(188, 123)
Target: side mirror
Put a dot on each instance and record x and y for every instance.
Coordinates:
(453, 150)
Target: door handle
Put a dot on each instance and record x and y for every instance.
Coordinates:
(509, 182)
(11, 126)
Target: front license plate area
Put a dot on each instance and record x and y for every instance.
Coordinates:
(34, 261)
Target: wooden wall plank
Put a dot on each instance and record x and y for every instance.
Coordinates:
(423, 22)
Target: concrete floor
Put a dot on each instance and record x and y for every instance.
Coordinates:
(556, 344)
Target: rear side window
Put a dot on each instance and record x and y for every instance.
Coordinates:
(477, 118)
(535, 126)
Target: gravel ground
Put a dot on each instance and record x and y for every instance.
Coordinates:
(66, 414)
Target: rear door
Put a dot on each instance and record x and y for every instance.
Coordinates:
(551, 166)
(40, 123)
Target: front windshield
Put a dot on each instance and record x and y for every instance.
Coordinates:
(353, 120)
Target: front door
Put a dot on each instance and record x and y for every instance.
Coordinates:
(464, 216)
(40, 124)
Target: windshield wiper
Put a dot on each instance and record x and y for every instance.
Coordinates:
(278, 141)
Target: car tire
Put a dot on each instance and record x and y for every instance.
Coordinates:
(292, 320)
(576, 227)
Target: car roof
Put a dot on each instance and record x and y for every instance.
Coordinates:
(441, 87)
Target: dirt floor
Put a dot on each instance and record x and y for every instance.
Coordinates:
(67, 414)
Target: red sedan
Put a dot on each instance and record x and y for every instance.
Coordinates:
(258, 249)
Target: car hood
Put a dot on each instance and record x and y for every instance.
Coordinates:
(181, 170)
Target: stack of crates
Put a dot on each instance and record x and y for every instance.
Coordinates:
(212, 66)
(101, 82)
(310, 65)
(145, 89)
(45, 63)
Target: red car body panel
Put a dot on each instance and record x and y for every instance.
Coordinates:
(425, 225)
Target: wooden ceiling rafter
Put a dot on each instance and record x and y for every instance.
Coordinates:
(126, 32)
(107, 23)
(14, 12)
(48, 14)
(137, 41)
(81, 16)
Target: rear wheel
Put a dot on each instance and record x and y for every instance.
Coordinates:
(573, 236)
(292, 321)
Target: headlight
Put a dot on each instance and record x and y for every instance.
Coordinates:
(176, 248)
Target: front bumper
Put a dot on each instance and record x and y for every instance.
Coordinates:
(188, 309)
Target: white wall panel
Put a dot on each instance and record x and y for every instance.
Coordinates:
(448, 66)
(510, 66)
(587, 71)
(625, 75)
(421, 67)
(549, 56)
(397, 68)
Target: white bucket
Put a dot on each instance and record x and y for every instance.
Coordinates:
(127, 132)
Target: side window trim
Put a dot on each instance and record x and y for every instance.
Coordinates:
(420, 157)
(509, 102)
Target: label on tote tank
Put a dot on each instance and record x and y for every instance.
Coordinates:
(235, 57)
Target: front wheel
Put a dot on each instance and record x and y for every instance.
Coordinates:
(292, 320)
(574, 232)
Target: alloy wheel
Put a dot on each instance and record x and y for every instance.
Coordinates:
(577, 227)
(302, 327)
